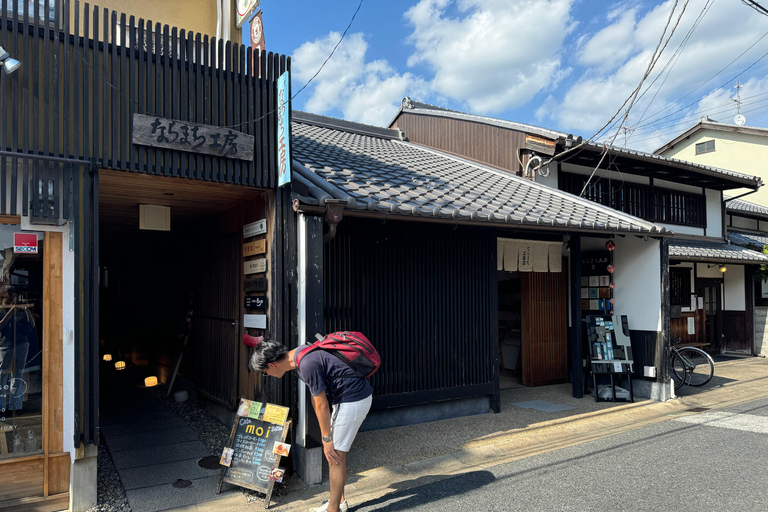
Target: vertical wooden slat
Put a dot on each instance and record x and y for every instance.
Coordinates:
(205, 98)
(158, 154)
(227, 100)
(115, 132)
(176, 63)
(199, 99)
(167, 87)
(127, 81)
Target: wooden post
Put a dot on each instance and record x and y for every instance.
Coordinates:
(577, 372)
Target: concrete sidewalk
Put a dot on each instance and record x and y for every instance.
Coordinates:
(420, 454)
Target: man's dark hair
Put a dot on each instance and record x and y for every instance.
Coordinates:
(268, 351)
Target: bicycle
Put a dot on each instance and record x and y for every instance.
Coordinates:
(690, 365)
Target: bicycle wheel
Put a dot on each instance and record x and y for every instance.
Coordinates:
(677, 370)
(701, 367)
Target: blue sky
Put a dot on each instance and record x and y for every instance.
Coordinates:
(561, 64)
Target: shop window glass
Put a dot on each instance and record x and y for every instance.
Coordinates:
(21, 343)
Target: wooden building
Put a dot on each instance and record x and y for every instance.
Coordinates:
(134, 168)
(684, 198)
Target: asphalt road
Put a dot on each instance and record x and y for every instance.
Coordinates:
(712, 460)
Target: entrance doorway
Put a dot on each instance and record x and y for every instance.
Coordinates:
(711, 291)
(153, 282)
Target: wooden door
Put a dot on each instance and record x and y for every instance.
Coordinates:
(544, 328)
(711, 291)
(217, 318)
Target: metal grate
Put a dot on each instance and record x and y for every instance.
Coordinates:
(698, 409)
(181, 483)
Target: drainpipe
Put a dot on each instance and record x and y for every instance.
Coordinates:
(334, 212)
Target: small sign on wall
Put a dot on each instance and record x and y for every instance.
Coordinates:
(255, 321)
(25, 243)
(257, 302)
(257, 284)
(254, 248)
(255, 228)
(255, 266)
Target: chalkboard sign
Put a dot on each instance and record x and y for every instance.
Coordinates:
(252, 458)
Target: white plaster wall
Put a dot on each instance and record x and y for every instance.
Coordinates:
(734, 290)
(702, 270)
(715, 209)
(687, 230)
(605, 174)
(551, 179)
(638, 282)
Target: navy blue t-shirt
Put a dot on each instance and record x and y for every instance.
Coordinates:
(316, 370)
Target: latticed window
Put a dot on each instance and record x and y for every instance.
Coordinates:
(705, 147)
(647, 202)
(679, 286)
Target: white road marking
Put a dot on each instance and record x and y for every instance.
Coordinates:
(745, 422)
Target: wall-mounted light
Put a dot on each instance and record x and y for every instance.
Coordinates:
(8, 64)
(120, 365)
(107, 357)
(721, 268)
(150, 382)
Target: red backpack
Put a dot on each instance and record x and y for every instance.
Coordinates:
(351, 347)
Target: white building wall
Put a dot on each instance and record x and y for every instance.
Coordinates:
(637, 278)
(734, 291)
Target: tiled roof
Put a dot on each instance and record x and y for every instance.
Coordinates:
(739, 205)
(705, 123)
(419, 108)
(745, 239)
(384, 175)
(714, 252)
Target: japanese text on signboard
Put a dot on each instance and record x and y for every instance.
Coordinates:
(196, 138)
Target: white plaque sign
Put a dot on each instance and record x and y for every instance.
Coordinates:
(255, 266)
(255, 321)
(255, 228)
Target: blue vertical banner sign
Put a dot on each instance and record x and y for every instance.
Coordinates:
(283, 130)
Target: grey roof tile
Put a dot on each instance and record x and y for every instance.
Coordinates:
(715, 252)
(392, 176)
(739, 205)
(751, 240)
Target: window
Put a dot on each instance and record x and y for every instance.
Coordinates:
(707, 146)
(21, 342)
(650, 203)
(680, 286)
(46, 8)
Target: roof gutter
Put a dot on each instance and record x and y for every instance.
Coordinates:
(362, 214)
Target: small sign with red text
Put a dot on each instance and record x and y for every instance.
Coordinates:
(25, 243)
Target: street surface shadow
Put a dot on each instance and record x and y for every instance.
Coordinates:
(425, 490)
(716, 382)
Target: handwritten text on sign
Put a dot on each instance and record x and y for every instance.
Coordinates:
(196, 138)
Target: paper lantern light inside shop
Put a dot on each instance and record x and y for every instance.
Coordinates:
(150, 382)
(107, 357)
(120, 365)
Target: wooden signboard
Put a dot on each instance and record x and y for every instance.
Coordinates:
(254, 248)
(197, 138)
(255, 266)
(256, 284)
(255, 228)
(257, 302)
(252, 446)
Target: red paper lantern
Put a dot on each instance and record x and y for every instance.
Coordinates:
(611, 268)
(612, 301)
(612, 285)
(610, 245)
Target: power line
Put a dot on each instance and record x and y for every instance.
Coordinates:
(756, 6)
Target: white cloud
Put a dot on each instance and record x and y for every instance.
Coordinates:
(614, 59)
(495, 54)
(364, 92)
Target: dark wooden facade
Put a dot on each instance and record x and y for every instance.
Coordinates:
(489, 144)
(68, 114)
(426, 295)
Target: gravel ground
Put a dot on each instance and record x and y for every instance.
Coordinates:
(212, 433)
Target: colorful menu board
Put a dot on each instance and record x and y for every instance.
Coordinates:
(256, 445)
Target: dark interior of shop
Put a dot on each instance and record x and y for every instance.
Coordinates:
(510, 330)
(149, 277)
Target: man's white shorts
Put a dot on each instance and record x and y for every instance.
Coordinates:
(346, 419)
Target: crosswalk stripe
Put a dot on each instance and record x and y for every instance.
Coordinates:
(745, 422)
